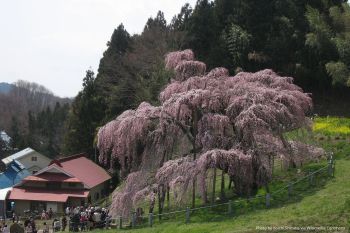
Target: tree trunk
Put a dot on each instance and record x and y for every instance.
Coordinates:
(194, 133)
(214, 183)
(161, 199)
(205, 193)
(159, 203)
(289, 149)
(151, 206)
(222, 194)
(168, 196)
(194, 193)
(230, 182)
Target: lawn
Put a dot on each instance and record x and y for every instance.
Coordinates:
(323, 205)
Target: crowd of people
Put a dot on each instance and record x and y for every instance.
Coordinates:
(46, 215)
(75, 218)
(84, 219)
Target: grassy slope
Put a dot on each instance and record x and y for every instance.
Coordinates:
(328, 206)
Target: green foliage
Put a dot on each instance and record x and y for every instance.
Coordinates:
(111, 67)
(238, 42)
(204, 35)
(46, 130)
(339, 72)
(131, 71)
(17, 140)
(83, 118)
(296, 38)
(321, 31)
(330, 34)
(308, 40)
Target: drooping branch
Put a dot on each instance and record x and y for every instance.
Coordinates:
(235, 124)
(124, 138)
(174, 58)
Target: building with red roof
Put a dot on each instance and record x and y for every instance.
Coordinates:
(70, 181)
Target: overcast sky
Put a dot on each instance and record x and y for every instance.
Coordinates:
(53, 42)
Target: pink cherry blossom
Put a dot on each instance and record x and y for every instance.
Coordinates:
(205, 121)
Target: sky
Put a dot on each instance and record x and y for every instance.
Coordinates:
(53, 42)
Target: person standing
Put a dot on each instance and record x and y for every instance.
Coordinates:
(13, 217)
(32, 223)
(50, 213)
(46, 228)
(28, 228)
(64, 223)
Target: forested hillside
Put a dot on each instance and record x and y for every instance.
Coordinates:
(230, 115)
(33, 116)
(307, 40)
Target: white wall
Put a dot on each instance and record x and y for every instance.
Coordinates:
(42, 161)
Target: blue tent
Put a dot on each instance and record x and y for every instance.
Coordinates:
(15, 172)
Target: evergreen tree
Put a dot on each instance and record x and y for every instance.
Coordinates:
(111, 68)
(17, 141)
(204, 35)
(304, 39)
(83, 118)
(330, 38)
(2, 148)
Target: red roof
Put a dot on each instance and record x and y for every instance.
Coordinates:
(46, 195)
(84, 169)
(52, 177)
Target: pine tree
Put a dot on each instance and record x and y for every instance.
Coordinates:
(17, 141)
(83, 118)
(111, 65)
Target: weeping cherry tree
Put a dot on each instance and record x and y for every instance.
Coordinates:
(206, 121)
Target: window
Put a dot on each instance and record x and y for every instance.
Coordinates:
(72, 185)
(53, 185)
(37, 206)
(34, 158)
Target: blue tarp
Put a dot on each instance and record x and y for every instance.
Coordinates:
(15, 172)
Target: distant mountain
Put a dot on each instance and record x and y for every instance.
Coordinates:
(5, 87)
(17, 99)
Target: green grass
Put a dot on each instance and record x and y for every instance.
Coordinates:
(327, 203)
(328, 206)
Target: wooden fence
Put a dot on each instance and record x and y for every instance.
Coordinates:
(291, 190)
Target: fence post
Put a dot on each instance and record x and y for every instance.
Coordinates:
(290, 188)
(187, 214)
(133, 220)
(230, 212)
(268, 197)
(330, 166)
(251, 201)
(150, 219)
(120, 222)
(311, 179)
